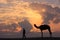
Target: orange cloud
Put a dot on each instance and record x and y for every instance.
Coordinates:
(18, 29)
(20, 10)
(3, 1)
(54, 27)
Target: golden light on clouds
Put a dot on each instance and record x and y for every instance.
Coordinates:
(34, 18)
(54, 27)
(17, 12)
(43, 10)
(18, 29)
(3, 1)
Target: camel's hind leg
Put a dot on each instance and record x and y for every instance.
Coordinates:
(50, 32)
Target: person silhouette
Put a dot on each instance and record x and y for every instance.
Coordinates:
(24, 35)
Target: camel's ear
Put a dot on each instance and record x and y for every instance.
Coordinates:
(34, 24)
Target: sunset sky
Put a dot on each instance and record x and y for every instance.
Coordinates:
(13, 12)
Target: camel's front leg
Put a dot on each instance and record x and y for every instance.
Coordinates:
(41, 33)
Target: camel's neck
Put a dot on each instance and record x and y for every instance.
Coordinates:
(36, 26)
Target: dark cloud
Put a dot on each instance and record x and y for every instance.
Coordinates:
(25, 24)
(12, 27)
(2, 5)
(6, 8)
(50, 13)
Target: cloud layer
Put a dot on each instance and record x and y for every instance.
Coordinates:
(14, 11)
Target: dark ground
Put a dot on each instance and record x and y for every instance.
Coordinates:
(44, 38)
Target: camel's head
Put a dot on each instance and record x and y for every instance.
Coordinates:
(35, 25)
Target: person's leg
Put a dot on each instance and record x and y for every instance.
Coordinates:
(23, 35)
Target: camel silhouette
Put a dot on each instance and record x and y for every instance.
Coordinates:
(44, 27)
